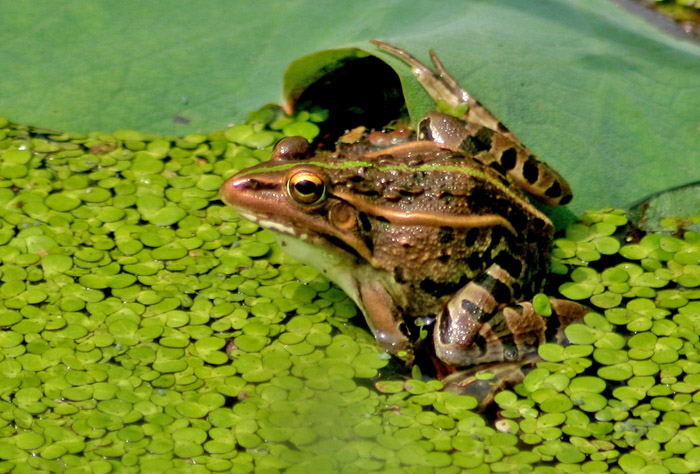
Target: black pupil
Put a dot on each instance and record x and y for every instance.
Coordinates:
(306, 187)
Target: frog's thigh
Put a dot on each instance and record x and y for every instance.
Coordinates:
(457, 335)
(525, 331)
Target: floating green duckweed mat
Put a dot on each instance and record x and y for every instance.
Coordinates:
(144, 327)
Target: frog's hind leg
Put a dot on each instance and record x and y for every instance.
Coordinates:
(483, 136)
(477, 327)
(508, 345)
(459, 336)
(442, 87)
(499, 152)
(484, 388)
(478, 336)
(519, 163)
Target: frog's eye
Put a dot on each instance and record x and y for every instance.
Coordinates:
(306, 188)
(291, 148)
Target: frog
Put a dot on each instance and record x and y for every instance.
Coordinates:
(431, 230)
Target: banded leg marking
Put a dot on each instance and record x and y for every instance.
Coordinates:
(485, 133)
(458, 332)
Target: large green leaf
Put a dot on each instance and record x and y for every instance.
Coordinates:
(607, 99)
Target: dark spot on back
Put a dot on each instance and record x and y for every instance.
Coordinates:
(508, 158)
(364, 222)
(446, 235)
(513, 266)
(530, 171)
(565, 200)
(481, 195)
(517, 219)
(538, 224)
(440, 289)
(475, 262)
(472, 235)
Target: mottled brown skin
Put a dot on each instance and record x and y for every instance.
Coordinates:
(437, 227)
(431, 262)
(417, 222)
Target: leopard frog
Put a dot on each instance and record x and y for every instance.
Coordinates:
(435, 228)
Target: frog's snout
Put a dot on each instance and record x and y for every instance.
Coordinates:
(237, 188)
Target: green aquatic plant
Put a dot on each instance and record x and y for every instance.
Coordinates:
(145, 327)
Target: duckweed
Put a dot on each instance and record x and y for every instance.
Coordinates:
(146, 328)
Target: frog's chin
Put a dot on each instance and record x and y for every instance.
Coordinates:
(335, 266)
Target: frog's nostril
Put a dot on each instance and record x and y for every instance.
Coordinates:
(241, 184)
(233, 189)
(246, 184)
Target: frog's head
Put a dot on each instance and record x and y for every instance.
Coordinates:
(309, 204)
(292, 195)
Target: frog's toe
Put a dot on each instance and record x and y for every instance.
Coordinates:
(484, 382)
(565, 313)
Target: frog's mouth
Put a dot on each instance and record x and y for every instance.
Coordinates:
(328, 244)
(268, 224)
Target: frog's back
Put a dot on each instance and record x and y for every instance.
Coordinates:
(434, 218)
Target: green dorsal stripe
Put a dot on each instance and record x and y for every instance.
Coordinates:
(342, 165)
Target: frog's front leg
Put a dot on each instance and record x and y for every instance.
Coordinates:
(383, 319)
